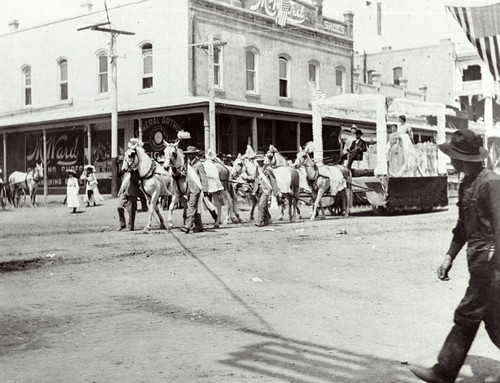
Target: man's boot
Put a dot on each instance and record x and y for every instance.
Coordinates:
(121, 216)
(131, 218)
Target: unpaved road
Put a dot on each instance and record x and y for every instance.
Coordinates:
(80, 302)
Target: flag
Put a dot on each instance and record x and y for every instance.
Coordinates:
(482, 27)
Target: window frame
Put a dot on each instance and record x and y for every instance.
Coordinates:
(342, 88)
(396, 80)
(218, 67)
(26, 70)
(147, 52)
(62, 84)
(254, 71)
(286, 59)
(102, 54)
(314, 64)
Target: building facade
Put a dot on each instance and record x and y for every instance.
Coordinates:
(266, 67)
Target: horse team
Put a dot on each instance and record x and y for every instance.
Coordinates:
(168, 181)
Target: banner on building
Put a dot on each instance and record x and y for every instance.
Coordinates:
(482, 27)
(65, 150)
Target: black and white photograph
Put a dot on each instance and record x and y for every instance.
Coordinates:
(241, 191)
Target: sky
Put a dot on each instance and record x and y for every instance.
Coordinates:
(405, 23)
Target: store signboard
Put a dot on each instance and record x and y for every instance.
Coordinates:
(65, 150)
(155, 131)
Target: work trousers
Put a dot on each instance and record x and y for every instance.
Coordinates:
(193, 216)
(264, 216)
(128, 202)
(481, 303)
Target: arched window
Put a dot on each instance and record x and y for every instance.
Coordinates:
(63, 79)
(102, 72)
(147, 66)
(27, 85)
(339, 80)
(251, 59)
(314, 74)
(284, 77)
(398, 73)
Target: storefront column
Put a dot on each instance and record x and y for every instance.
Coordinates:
(45, 183)
(273, 133)
(206, 126)
(234, 135)
(89, 144)
(255, 143)
(297, 127)
(4, 157)
(139, 129)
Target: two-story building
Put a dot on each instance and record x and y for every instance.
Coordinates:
(268, 64)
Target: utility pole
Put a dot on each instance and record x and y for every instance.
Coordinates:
(114, 98)
(209, 49)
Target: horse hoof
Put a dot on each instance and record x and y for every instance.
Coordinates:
(162, 227)
(312, 219)
(216, 226)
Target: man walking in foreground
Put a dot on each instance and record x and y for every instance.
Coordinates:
(478, 225)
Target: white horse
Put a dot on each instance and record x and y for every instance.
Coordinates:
(218, 182)
(245, 171)
(323, 179)
(20, 180)
(156, 182)
(287, 180)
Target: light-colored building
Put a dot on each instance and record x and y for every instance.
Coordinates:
(56, 88)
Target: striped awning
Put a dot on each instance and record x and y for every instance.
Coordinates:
(482, 27)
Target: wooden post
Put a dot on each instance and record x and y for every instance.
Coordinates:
(255, 143)
(206, 124)
(89, 143)
(211, 95)
(45, 184)
(114, 118)
(297, 128)
(5, 157)
(139, 129)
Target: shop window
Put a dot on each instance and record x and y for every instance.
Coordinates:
(472, 73)
(314, 75)
(397, 74)
(27, 85)
(284, 77)
(63, 79)
(251, 70)
(147, 66)
(339, 81)
(102, 77)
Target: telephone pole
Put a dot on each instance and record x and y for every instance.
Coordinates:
(114, 97)
(209, 49)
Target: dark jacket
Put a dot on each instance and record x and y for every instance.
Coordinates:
(200, 170)
(133, 187)
(478, 219)
(358, 147)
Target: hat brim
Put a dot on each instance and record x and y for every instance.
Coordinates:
(73, 172)
(192, 151)
(452, 153)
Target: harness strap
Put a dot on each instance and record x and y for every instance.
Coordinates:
(150, 173)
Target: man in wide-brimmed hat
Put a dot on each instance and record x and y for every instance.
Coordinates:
(478, 226)
(197, 183)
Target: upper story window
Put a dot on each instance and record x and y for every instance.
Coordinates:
(339, 80)
(218, 67)
(397, 74)
(369, 78)
(251, 70)
(27, 85)
(63, 79)
(147, 66)
(314, 74)
(472, 73)
(102, 73)
(284, 77)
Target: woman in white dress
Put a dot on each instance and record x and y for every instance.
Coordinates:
(91, 189)
(72, 189)
(406, 137)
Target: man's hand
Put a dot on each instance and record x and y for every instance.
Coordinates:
(445, 268)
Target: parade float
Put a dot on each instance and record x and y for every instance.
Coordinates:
(399, 180)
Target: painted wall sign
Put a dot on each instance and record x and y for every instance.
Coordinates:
(64, 151)
(296, 13)
(335, 27)
(155, 131)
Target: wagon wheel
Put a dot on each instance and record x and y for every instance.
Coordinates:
(3, 197)
(19, 197)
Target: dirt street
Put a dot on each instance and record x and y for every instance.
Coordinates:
(80, 302)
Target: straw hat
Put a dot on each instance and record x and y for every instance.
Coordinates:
(191, 150)
(91, 167)
(72, 172)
